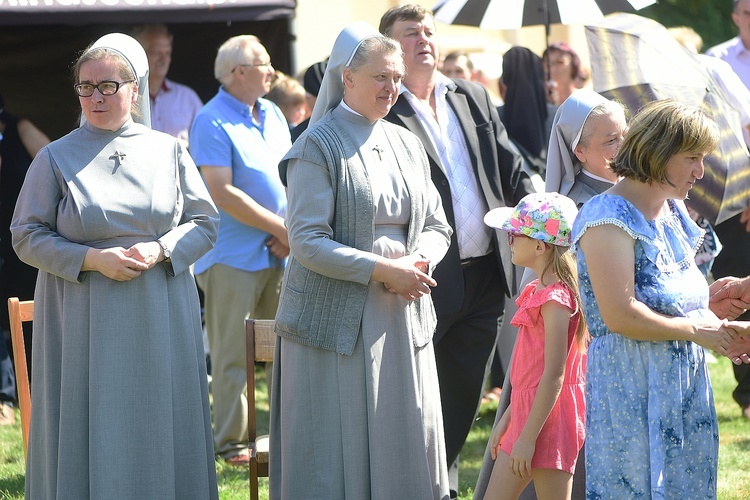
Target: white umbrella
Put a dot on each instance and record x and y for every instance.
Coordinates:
(514, 14)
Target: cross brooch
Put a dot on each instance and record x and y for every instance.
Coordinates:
(118, 157)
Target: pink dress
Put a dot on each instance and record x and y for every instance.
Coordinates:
(562, 435)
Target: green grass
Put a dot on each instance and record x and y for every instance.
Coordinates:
(734, 449)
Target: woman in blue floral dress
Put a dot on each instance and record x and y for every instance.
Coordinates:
(651, 423)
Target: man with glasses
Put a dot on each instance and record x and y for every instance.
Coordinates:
(173, 105)
(237, 139)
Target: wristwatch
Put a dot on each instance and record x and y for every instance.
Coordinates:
(167, 253)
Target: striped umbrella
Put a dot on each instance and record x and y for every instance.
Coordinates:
(635, 60)
(513, 14)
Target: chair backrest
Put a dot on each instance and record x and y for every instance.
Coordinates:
(261, 343)
(20, 312)
(263, 339)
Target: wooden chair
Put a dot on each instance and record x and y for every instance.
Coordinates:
(261, 343)
(20, 312)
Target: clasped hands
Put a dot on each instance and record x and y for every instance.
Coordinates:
(717, 335)
(406, 276)
(739, 348)
(123, 264)
(729, 298)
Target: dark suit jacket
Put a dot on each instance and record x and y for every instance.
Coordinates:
(497, 166)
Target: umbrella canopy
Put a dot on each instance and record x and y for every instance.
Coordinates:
(635, 60)
(513, 14)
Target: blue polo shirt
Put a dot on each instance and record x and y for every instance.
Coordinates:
(225, 134)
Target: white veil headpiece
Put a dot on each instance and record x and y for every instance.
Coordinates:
(344, 48)
(132, 51)
(566, 132)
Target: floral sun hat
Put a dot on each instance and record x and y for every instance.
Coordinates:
(547, 217)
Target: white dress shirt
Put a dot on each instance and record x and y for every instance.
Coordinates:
(173, 109)
(734, 52)
(469, 205)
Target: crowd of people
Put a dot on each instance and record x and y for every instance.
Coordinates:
(400, 228)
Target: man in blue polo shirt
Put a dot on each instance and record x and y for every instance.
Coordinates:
(237, 140)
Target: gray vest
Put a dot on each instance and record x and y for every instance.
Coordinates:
(323, 312)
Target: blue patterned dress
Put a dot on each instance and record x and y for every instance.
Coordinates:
(651, 424)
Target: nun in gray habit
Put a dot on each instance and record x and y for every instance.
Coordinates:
(113, 215)
(355, 407)
(571, 128)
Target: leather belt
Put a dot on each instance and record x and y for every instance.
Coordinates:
(473, 260)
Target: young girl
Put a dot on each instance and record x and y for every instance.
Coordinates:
(540, 434)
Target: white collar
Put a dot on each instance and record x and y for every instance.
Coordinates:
(441, 82)
(348, 108)
(738, 47)
(596, 177)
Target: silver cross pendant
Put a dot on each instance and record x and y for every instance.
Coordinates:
(118, 157)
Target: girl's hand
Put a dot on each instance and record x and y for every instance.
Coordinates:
(498, 433)
(520, 457)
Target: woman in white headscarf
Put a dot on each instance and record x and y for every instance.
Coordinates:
(586, 133)
(113, 215)
(356, 404)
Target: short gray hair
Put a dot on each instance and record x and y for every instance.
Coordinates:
(374, 45)
(231, 54)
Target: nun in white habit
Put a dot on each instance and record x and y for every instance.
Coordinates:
(113, 215)
(586, 133)
(355, 408)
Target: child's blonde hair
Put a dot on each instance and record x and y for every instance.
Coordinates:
(563, 264)
(547, 218)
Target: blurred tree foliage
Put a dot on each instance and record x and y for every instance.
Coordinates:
(712, 19)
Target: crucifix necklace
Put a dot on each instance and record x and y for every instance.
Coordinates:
(118, 158)
(379, 151)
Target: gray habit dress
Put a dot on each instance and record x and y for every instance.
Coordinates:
(119, 397)
(367, 425)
